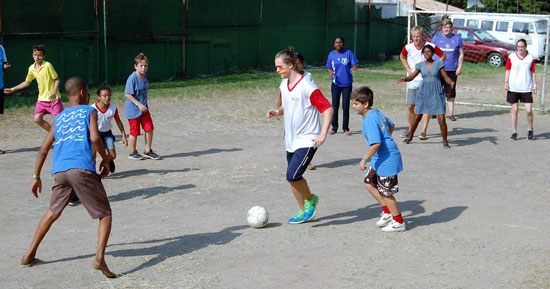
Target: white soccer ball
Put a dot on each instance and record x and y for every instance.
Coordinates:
(257, 217)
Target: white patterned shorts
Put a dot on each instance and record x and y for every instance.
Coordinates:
(387, 186)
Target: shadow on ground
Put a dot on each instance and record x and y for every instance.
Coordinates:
(139, 172)
(409, 209)
(339, 163)
(482, 113)
(162, 249)
(148, 192)
(199, 153)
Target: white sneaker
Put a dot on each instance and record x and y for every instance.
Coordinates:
(394, 227)
(384, 220)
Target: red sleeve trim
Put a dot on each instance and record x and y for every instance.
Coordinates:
(508, 64)
(533, 66)
(280, 96)
(404, 51)
(438, 51)
(319, 101)
(116, 113)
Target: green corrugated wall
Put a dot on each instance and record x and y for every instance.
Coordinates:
(186, 38)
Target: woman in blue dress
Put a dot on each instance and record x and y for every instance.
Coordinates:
(430, 98)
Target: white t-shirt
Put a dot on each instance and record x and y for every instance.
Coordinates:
(302, 104)
(104, 118)
(520, 72)
(414, 55)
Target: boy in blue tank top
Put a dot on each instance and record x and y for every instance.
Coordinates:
(74, 131)
(385, 160)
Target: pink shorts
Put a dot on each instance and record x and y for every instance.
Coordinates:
(49, 107)
(144, 120)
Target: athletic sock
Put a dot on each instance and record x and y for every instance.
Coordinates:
(385, 209)
(398, 219)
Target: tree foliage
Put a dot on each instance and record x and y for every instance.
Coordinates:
(505, 6)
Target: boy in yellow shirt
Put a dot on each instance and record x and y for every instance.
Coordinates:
(49, 99)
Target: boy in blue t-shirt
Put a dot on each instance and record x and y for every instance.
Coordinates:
(74, 131)
(385, 160)
(137, 109)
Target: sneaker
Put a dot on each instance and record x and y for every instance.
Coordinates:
(452, 117)
(530, 135)
(151, 155)
(514, 136)
(75, 201)
(111, 166)
(135, 156)
(298, 219)
(331, 132)
(309, 212)
(394, 226)
(2, 152)
(404, 134)
(422, 136)
(384, 220)
(347, 132)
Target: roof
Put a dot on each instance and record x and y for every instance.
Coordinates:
(432, 5)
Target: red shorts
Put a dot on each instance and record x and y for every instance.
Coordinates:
(144, 120)
(49, 107)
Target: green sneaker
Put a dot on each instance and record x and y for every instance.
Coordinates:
(298, 219)
(309, 212)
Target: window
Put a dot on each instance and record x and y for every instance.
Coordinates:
(520, 27)
(486, 25)
(472, 23)
(502, 26)
(466, 35)
(541, 27)
(458, 22)
(531, 28)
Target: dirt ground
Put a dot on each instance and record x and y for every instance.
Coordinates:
(476, 215)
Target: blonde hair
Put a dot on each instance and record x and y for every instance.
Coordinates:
(140, 57)
(417, 28)
(446, 21)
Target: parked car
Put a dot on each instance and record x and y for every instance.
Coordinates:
(480, 46)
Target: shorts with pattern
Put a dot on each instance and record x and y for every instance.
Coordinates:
(387, 186)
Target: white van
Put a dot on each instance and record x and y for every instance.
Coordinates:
(509, 29)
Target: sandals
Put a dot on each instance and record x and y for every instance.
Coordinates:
(422, 136)
(407, 141)
(446, 145)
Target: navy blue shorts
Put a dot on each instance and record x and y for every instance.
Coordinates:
(298, 162)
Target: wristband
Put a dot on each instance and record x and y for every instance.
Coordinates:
(365, 160)
(36, 177)
(137, 102)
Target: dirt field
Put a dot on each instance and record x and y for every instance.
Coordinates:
(477, 214)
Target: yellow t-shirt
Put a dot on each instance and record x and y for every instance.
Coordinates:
(45, 77)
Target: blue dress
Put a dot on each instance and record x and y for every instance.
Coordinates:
(430, 98)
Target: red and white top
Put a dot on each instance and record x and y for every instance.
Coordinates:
(414, 55)
(520, 72)
(105, 117)
(302, 105)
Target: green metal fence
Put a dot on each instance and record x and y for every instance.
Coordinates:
(186, 38)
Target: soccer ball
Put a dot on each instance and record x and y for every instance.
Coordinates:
(257, 217)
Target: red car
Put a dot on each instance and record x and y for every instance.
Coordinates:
(480, 46)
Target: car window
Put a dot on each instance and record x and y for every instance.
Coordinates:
(520, 27)
(465, 35)
(531, 28)
(472, 23)
(484, 35)
(487, 25)
(502, 26)
(541, 27)
(458, 22)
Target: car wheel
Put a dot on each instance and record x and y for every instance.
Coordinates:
(495, 59)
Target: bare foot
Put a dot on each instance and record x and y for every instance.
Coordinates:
(104, 269)
(28, 261)
(310, 166)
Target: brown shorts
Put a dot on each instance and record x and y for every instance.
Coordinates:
(387, 186)
(514, 97)
(88, 188)
(450, 92)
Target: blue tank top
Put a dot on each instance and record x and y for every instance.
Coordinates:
(73, 147)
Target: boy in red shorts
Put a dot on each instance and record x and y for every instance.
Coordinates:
(74, 171)
(49, 99)
(137, 110)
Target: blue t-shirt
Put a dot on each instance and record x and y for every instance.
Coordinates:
(138, 88)
(3, 59)
(341, 64)
(450, 45)
(73, 147)
(376, 129)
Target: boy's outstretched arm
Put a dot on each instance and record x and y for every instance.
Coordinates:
(121, 128)
(370, 152)
(327, 117)
(17, 87)
(36, 186)
(98, 144)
